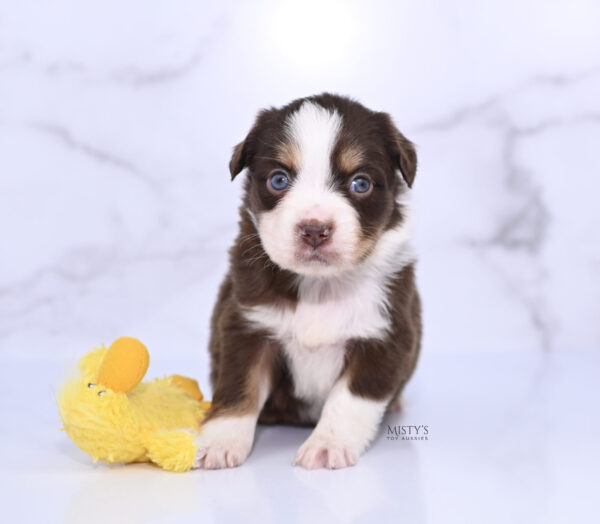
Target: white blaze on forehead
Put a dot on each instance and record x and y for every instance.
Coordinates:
(314, 131)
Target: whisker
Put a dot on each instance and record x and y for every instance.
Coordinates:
(247, 238)
(249, 249)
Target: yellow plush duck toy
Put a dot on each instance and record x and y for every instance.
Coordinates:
(114, 417)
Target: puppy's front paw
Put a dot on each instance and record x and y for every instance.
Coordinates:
(221, 455)
(224, 443)
(325, 452)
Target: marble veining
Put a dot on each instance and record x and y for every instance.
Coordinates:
(115, 134)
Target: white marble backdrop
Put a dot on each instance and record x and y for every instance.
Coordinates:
(117, 120)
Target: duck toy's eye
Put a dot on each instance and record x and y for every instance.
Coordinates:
(90, 385)
(101, 393)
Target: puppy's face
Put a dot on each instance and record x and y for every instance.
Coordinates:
(324, 177)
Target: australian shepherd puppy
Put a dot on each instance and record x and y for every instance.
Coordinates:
(318, 320)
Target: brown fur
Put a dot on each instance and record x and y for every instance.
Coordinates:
(241, 355)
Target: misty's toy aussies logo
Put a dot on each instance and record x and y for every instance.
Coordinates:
(407, 432)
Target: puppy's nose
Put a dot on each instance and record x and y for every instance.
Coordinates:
(314, 233)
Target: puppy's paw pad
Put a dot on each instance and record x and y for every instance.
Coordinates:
(318, 453)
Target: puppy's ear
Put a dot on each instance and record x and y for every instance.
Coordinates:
(244, 151)
(238, 160)
(407, 158)
(402, 150)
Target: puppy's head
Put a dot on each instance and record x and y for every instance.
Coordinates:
(324, 178)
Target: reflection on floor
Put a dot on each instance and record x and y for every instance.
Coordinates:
(512, 438)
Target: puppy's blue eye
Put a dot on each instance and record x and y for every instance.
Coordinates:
(360, 184)
(279, 181)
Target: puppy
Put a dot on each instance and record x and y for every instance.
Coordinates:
(318, 320)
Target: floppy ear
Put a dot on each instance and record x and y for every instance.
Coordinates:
(238, 160)
(407, 158)
(402, 150)
(244, 151)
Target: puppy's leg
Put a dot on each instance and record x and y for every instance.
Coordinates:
(243, 385)
(347, 425)
(375, 372)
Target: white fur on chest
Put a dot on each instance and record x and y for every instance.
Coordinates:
(332, 310)
(328, 312)
(314, 333)
(314, 371)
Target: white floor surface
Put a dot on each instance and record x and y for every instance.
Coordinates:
(512, 438)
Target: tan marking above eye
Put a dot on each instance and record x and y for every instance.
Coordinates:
(350, 159)
(289, 155)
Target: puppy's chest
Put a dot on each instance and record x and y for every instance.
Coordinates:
(322, 318)
(313, 334)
